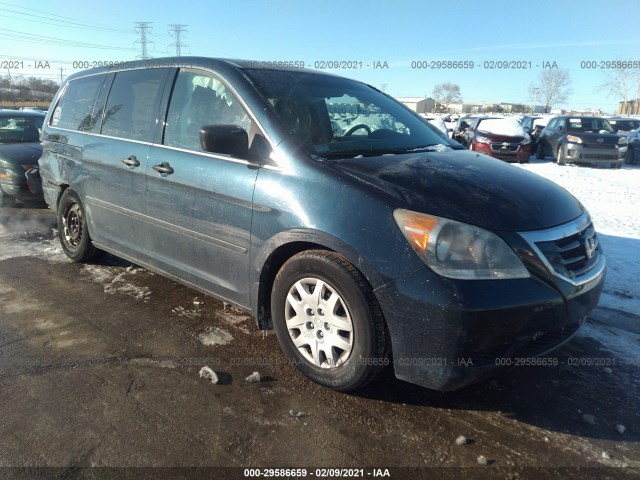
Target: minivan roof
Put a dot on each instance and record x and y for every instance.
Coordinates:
(219, 64)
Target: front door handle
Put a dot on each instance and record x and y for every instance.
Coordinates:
(164, 167)
(131, 161)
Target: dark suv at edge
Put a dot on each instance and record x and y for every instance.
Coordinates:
(380, 245)
(581, 139)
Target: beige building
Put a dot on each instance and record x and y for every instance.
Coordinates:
(418, 104)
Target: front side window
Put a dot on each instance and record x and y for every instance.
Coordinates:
(76, 109)
(199, 99)
(334, 117)
(131, 108)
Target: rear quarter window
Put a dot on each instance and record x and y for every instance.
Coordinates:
(75, 110)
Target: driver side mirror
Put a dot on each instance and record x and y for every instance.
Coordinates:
(226, 139)
(561, 129)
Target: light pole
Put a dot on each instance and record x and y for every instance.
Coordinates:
(535, 100)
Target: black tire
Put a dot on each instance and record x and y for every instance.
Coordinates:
(560, 156)
(368, 353)
(6, 200)
(630, 157)
(539, 151)
(73, 231)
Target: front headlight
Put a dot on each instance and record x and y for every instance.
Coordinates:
(573, 139)
(526, 141)
(457, 250)
(481, 139)
(622, 140)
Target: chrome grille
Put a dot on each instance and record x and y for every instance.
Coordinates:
(499, 147)
(571, 251)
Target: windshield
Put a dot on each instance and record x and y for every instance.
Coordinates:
(335, 117)
(20, 129)
(589, 125)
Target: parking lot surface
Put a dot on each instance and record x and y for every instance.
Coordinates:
(99, 366)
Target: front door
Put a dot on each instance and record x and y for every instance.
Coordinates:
(199, 203)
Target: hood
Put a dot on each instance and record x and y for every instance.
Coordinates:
(20, 153)
(593, 138)
(494, 137)
(467, 187)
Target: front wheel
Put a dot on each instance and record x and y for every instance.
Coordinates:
(72, 229)
(539, 151)
(328, 321)
(6, 200)
(560, 156)
(630, 157)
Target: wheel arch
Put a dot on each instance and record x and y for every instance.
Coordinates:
(61, 189)
(278, 250)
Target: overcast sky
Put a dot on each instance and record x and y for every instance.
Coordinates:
(366, 33)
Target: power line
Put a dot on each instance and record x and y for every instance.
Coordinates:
(143, 29)
(33, 38)
(176, 32)
(68, 20)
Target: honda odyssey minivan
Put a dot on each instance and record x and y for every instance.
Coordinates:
(377, 244)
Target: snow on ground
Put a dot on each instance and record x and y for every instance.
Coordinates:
(115, 280)
(612, 197)
(14, 242)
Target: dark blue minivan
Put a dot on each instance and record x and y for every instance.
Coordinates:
(331, 212)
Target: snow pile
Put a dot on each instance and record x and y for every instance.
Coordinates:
(215, 336)
(253, 378)
(114, 281)
(207, 373)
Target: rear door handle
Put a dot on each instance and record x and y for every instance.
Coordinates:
(131, 160)
(164, 167)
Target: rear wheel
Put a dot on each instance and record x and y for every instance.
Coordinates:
(72, 229)
(328, 321)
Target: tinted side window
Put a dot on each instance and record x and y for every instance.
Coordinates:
(75, 110)
(552, 124)
(131, 108)
(198, 99)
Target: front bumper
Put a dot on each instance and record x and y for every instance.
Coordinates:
(14, 183)
(446, 334)
(509, 152)
(579, 153)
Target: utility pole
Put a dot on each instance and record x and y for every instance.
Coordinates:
(176, 32)
(143, 28)
(60, 75)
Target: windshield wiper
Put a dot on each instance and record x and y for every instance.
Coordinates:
(374, 152)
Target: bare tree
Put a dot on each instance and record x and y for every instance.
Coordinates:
(620, 83)
(446, 94)
(552, 87)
